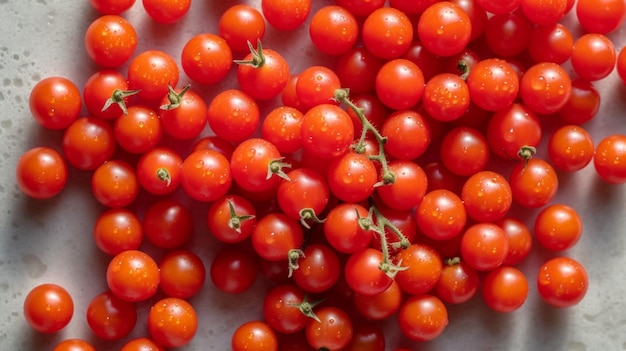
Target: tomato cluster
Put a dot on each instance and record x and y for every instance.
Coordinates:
(395, 183)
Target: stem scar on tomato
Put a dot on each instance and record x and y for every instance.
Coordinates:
(235, 220)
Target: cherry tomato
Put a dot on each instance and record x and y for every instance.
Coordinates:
(256, 165)
(166, 11)
(429, 63)
(233, 115)
(545, 87)
(352, 177)
(139, 130)
(361, 8)
(182, 274)
(505, 289)
(241, 24)
(318, 269)
(408, 134)
(593, 56)
(206, 58)
(444, 28)
(366, 336)
(542, 13)
(399, 84)
(285, 308)
(111, 7)
(152, 72)
(167, 224)
(254, 335)
(48, 308)
(233, 270)
(304, 196)
(142, 344)
(206, 175)
(342, 229)
(600, 16)
(333, 30)
(111, 318)
(409, 187)
(172, 322)
(380, 306)
(158, 170)
(286, 15)
(41, 173)
(117, 230)
(88, 142)
(582, 105)
(106, 94)
(423, 269)
(512, 130)
(331, 331)
(484, 246)
(499, 7)
(493, 84)
(357, 69)
(275, 235)
(316, 85)
(551, 43)
(534, 183)
(609, 159)
(74, 345)
(55, 102)
(477, 15)
(110, 40)
(464, 151)
(508, 35)
(282, 127)
(114, 184)
(327, 131)
(263, 73)
(363, 272)
(214, 143)
(570, 148)
(487, 196)
(446, 97)
(387, 33)
(558, 227)
(519, 237)
(422, 317)
(621, 65)
(133, 275)
(183, 113)
(441, 214)
(458, 283)
(562, 282)
(439, 177)
(231, 218)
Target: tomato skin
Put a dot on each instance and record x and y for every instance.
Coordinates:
(286, 15)
(55, 102)
(409, 187)
(48, 308)
(534, 183)
(74, 345)
(464, 151)
(233, 115)
(333, 30)
(319, 269)
(380, 306)
(512, 128)
(316, 85)
(387, 33)
(275, 235)
(305, 189)
(493, 84)
(133, 276)
(209, 182)
(352, 177)
(282, 127)
(446, 97)
(422, 317)
(241, 24)
(166, 11)
(582, 105)
(41, 173)
(408, 134)
(609, 159)
(254, 335)
(363, 274)
(158, 170)
(342, 230)
(621, 65)
(110, 40)
(187, 119)
(88, 142)
(487, 196)
(182, 274)
(562, 282)
(477, 15)
(151, 72)
(484, 246)
(280, 308)
(399, 84)
(102, 86)
(519, 237)
(233, 270)
(441, 214)
(266, 81)
(357, 69)
(223, 226)
(593, 56)
(508, 34)
(542, 13)
(110, 317)
(117, 230)
(111, 7)
(458, 283)
(251, 162)
(558, 227)
(570, 148)
(423, 269)
(142, 344)
(172, 322)
(138, 131)
(206, 58)
(361, 8)
(505, 289)
(332, 332)
(444, 28)
(600, 16)
(167, 223)
(327, 131)
(545, 87)
(114, 184)
(551, 43)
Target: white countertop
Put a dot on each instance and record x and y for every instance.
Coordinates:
(51, 241)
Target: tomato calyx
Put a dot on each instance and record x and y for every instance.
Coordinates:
(175, 99)
(463, 67)
(293, 256)
(526, 152)
(306, 307)
(164, 175)
(453, 261)
(235, 220)
(275, 167)
(117, 98)
(388, 177)
(257, 60)
(308, 214)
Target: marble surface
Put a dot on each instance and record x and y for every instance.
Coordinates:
(51, 241)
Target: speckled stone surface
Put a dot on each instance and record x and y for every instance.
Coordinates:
(51, 241)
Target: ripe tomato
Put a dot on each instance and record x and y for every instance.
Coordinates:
(499, 7)
(183, 113)
(241, 24)
(562, 282)
(484, 246)
(282, 127)
(182, 274)
(422, 317)
(111, 7)
(366, 336)
(166, 11)
(275, 235)
(139, 130)
(342, 229)
(88, 142)
(477, 15)
(114, 184)
(508, 35)
(533, 183)
(216, 144)
(233, 115)
(458, 283)
(319, 269)
(206, 175)
(558, 227)
(106, 94)
(142, 344)
(439, 177)
(380, 306)
(304, 195)
(263, 73)
(621, 65)
(409, 187)
(41, 173)
(110, 317)
(357, 69)
(316, 85)
(570, 148)
(331, 331)
(511, 129)
(55, 102)
(399, 84)
(233, 270)
(582, 105)
(545, 87)
(505, 289)
(593, 56)
(423, 269)
(352, 177)
(441, 214)
(408, 134)
(206, 58)
(231, 218)
(48, 308)
(543, 13)
(600, 16)
(387, 33)
(158, 170)
(333, 30)
(493, 84)
(74, 345)
(286, 15)
(464, 151)
(286, 309)
(172, 322)
(256, 165)
(110, 40)
(327, 131)
(152, 72)
(519, 238)
(361, 8)
(117, 230)
(609, 161)
(446, 97)
(551, 43)
(254, 335)
(167, 223)
(363, 272)
(411, 6)
(133, 275)
(444, 28)
(487, 196)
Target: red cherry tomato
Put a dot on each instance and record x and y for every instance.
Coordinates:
(333, 30)
(558, 227)
(444, 28)
(241, 24)
(205, 175)
(133, 275)
(55, 102)
(152, 72)
(206, 58)
(172, 322)
(562, 282)
(48, 308)
(110, 40)
(422, 317)
(166, 11)
(117, 230)
(88, 143)
(505, 289)
(110, 317)
(41, 173)
(609, 161)
(387, 33)
(114, 184)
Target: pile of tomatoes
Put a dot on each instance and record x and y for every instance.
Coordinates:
(388, 185)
